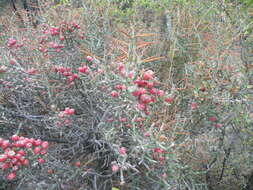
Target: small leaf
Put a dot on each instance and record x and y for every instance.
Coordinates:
(114, 188)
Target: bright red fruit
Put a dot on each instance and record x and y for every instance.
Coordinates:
(194, 106)
(89, 58)
(69, 111)
(169, 99)
(83, 69)
(150, 84)
(45, 144)
(41, 160)
(11, 42)
(145, 99)
(37, 142)
(161, 93)
(148, 75)
(25, 162)
(21, 152)
(153, 91)
(131, 74)
(5, 165)
(3, 157)
(13, 62)
(114, 94)
(115, 168)
(54, 31)
(43, 152)
(141, 106)
(36, 150)
(12, 176)
(213, 118)
(218, 125)
(122, 151)
(5, 144)
(28, 145)
(15, 138)
(78, 164)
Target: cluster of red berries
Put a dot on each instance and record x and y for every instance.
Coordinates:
(67, 72)
(84, 69)
(55, 31)
(64, 119)
(146, 92)
(15, 154)
(69, 111)
(12, 43)
(159, 154)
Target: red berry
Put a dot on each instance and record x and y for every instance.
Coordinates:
(75, 76)
(36, 150)
(123, 119)
(18, 156)
(78, 164)
(115, 168)
(213, 118)
(148, 75)
(169, 99)
(153, 91)
(159, 150)
(150, 84)
(12, 176)
(218, 125)
(194, 106)
(45, 144)
(5, 165)
(3, 157)
(131, 74)
(120, 87)
(141, 106)
(50, 171)
(13, 62)
(122, 151)
(147, 134)
(54, 31)
(5, 144)
(15, 138)
(11, 42)
(43, 152)
(11, 154)
(32, 71)
(114, 94)
(145, 99)
(71, 111)
(15, 168)
(14, 161)
(162, 158)
(161, 93)
(139, 92)
(25, 162)
(83, 69)
(21, 152)
(89, 58)
(41, 160)
(37, 142)
(28, 145)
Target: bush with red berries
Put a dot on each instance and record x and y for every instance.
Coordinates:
(19, 153)
(110, 117)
